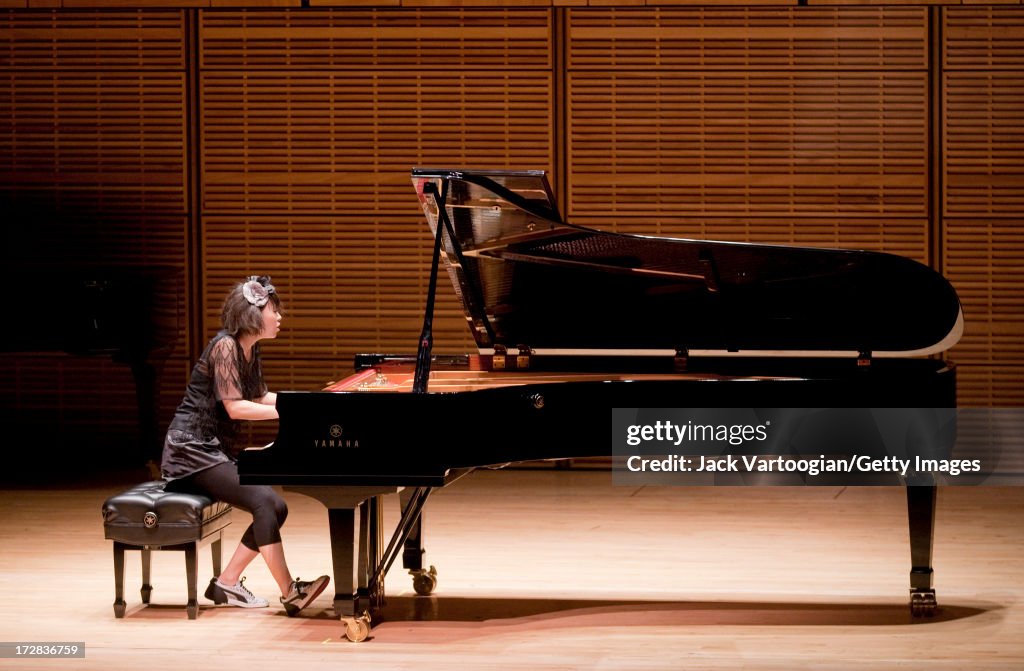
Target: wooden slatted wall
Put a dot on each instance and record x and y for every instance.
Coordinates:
(983, 197)
(311, 121)
(806, 125)
(92, 177)
(793, 125)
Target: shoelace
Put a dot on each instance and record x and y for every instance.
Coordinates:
(249, 595)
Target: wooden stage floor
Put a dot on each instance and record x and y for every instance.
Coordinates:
(550, 569)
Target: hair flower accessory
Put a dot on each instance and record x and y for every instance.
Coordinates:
(257, 290)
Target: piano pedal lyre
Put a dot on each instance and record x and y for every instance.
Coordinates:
(357, 628)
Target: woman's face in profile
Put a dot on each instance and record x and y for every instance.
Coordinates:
(271, 321)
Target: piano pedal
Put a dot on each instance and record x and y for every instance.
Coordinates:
(357, 629)
(424, 581)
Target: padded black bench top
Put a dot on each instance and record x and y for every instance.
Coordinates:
(147, 514)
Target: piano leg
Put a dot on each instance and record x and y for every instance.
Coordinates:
(344, 552)
(355, 552)
(412, 554)
(921, 515)
(355, 558)
(423, 580)
(359, 563)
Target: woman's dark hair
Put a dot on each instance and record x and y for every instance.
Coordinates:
(242, 313)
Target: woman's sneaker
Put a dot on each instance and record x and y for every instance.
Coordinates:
(302, 594)
(233, 595)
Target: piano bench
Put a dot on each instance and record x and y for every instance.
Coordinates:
(147, 518)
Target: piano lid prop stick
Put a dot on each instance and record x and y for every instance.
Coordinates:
(422, 374)
(470, 291)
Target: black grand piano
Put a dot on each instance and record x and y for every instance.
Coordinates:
(572, 322)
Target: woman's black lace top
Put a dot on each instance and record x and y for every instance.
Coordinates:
(201, 433)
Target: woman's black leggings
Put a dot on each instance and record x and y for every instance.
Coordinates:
(220, 482)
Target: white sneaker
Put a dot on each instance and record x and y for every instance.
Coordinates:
(234, 595)
(303, 593)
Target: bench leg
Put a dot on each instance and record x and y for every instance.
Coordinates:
(191, 573)
(119, 603)
(147, 588)
(215, 550)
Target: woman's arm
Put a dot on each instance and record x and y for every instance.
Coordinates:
(269, 399)
(238, 409)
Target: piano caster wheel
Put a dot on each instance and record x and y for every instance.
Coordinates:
(424, 581)
(923, 604)
(357, 628)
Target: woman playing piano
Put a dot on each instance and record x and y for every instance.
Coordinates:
(225, 388)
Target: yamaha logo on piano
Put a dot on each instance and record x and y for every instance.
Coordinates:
(336, 439)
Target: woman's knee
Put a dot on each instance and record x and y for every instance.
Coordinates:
(267, 516)
(271, 505)
(281, 510)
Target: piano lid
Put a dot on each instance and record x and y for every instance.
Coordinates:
(528, 279)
